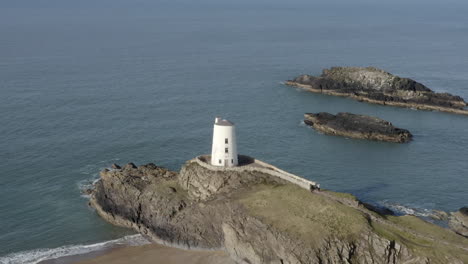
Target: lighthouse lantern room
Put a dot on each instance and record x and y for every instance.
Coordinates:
(224, 148)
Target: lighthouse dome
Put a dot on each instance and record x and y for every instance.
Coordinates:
(224, 122)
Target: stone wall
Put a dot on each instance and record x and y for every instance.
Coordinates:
(255, 165)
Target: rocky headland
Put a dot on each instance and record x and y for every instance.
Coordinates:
(357, 126)
(257, 217)
(374, 85)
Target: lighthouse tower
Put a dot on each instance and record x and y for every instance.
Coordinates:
(224, 148)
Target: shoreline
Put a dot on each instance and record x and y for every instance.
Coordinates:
(62, 254)
(110, 251)
(140, 229)
(238, 212)
(137, 249)
(70, 259)
(145, 254)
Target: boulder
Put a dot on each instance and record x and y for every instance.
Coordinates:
(129, 166)
(439, 215)
(458, 221)
(115, 166)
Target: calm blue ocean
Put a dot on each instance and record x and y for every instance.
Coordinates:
(84, 84)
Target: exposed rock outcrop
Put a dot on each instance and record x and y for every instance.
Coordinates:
(439, 215)
(377, 86)
(115, 166)
(258, 218)
(357, 126)
(202, 183)
(458, 221)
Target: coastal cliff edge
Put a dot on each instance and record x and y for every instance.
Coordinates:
(257, 217)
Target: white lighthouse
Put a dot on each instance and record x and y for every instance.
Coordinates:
(224, 148)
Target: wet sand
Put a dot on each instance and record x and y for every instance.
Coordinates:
(148, 254)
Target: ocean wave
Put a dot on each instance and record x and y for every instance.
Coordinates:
(38, 255)
(92, 170)
(85, 185)
(400, 209)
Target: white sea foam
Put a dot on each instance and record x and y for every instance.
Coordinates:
(37, 255)
(407, 210)
(85, 185)
(93, 171)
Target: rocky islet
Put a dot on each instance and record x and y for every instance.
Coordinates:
(373, 85)
(357, 126)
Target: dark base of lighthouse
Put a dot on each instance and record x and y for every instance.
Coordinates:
(243, 160)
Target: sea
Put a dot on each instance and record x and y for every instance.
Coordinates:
(85, 84)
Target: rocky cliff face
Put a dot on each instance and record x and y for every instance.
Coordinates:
(202, 183)
(357, 126)
(260, 219)
(377, 86)
(458, 221)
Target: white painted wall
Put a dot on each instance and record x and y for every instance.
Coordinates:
(219, 157)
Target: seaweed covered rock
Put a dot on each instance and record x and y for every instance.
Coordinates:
(377, 86)
(357, 126)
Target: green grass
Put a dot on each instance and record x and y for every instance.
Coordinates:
(436, 249)
(341, 195)
(416, 224)
(312, 217)
(302, 213)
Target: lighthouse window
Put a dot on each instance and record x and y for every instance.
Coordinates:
(232, 161)
(219, 161)
(226, 140)
(226, 150)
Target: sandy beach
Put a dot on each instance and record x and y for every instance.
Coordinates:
(154, 254)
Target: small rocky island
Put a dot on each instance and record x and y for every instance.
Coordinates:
(357, 126)
(374, 85)
(254, 213)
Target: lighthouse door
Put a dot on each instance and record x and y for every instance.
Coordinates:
(226, 163)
